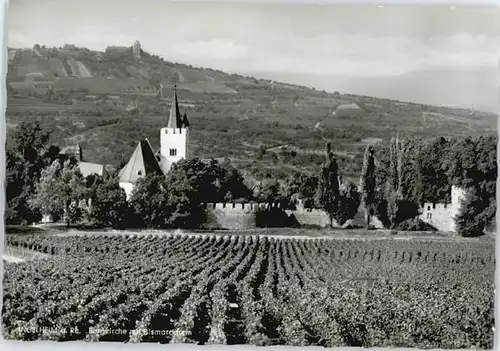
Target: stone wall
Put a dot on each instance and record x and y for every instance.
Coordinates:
(439, 215)
(253, 215)
(310, 217)
(231, 216)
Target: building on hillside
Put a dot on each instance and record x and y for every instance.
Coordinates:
(73, 151)
(173, 148)
(89, 168)
(136, 49)
(86, 168)
(442, 215)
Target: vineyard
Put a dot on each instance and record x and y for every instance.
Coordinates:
(251, 290)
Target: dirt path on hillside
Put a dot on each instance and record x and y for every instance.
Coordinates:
(180, 76)
(467, 126)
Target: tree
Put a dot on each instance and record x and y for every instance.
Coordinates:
(328, 194)
(203, 178)
(475, 213)
(350, 199)
(433, 168)
(302, 186)
(472, 166)
(231, 182)
(271, 191)
(173, 201)
(29, 141)
(27, 154)
(60, 189)
(391, 204)
(367, 184)
(393, 193)
(184, 208)
(417, 192)
(109, 205)
(149, 200)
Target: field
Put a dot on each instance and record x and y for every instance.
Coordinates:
(251, 289)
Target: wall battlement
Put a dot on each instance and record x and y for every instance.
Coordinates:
(430, 206)
(253, 215)
(442, 215)
(241, 207)
(173, 131)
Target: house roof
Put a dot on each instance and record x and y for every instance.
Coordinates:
(88, 168)
(141, 163)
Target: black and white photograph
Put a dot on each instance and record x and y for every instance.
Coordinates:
(258, 174)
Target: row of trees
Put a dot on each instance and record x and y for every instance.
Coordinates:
(158, 201)
(399, 178)
(41, 181)
(394, 182)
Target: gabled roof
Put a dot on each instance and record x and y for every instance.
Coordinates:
(174, 119)
(141, 163)
(88, 168)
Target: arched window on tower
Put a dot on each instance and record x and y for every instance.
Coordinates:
(173, 152)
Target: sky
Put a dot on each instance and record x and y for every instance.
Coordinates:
(396, 51)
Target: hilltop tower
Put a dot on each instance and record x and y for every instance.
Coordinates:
(173, 138)
(136, 49)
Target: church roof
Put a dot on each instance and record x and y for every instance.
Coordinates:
(141, 163)
(185, 121)
(174, 119)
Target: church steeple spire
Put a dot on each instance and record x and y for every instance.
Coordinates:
(175, 118)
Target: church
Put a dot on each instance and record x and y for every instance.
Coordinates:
(173, 147)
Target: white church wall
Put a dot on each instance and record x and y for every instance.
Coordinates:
(127, 187)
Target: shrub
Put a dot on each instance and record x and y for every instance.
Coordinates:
(414, 224)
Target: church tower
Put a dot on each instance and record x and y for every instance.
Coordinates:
(173, 138)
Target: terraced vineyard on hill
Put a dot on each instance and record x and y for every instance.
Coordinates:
(252, 290)
(231, 115)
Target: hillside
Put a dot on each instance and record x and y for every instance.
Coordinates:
(109, 100)
(112, 71)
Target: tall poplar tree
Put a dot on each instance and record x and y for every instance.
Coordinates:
(328, 193)
(394, 180)
(367, 184)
